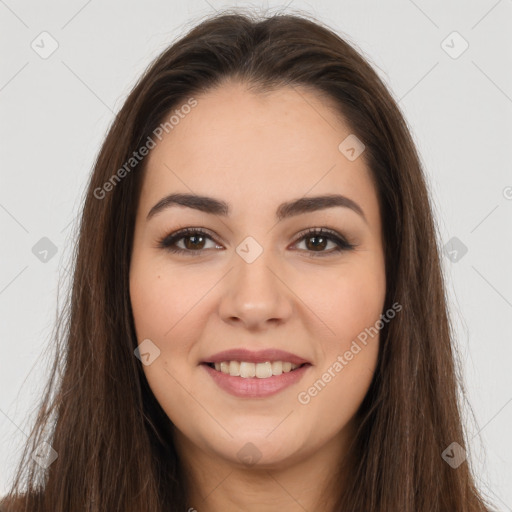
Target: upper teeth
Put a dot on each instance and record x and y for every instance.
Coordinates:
(259, 370)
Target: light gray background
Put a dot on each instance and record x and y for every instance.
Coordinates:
(55, 113)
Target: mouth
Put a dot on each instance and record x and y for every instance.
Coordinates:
(250, 380)
(248, 370)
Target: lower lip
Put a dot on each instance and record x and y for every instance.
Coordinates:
(253, 387)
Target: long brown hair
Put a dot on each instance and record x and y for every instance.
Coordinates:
(113, 441)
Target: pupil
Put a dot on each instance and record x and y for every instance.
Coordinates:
(191, 237)
(320, 244)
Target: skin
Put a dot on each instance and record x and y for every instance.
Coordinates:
(255, 152)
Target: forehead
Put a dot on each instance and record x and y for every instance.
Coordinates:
(236, 143)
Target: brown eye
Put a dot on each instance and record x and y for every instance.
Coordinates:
(320, 242)
(195, 240)
(317, 240)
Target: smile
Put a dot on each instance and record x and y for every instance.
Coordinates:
(255, 380)
(247, 369)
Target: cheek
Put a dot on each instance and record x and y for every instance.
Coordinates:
(161, 301)
(360, 304)
(336, 389)
(164, 312)
(168, 306)
(346, 302)
(350, 306)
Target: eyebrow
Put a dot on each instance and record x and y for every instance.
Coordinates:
(285, 210)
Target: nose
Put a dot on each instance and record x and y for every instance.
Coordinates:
(256, 295)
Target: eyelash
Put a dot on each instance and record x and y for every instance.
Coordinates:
(168, 242)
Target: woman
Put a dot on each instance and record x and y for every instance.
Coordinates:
(258, 318)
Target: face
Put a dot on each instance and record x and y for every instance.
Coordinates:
(254, 278)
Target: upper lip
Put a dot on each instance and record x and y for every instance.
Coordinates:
(259, 356)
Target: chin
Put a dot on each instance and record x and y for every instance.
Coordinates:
(258, 449)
